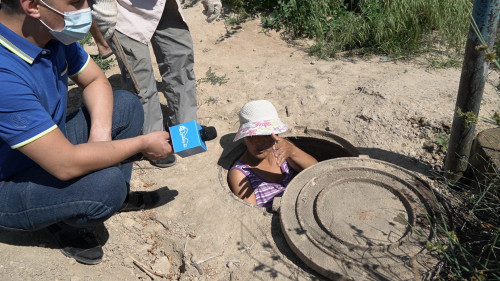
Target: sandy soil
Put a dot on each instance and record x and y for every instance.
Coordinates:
(389, 110)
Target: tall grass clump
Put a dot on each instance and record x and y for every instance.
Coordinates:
(471, 251)
(392, 27)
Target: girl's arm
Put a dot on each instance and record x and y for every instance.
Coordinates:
(241, 187)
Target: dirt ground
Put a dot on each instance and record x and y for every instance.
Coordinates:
(389, 110)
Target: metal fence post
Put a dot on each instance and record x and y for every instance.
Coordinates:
(474, 72)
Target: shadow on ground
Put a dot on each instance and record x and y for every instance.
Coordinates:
(283, 247)
(38, 238)
(408, 163)
(166, 195)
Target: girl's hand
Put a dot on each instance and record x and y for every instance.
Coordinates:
(282, 149)
(296, 157)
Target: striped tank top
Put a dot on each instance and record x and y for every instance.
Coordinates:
(266, 191)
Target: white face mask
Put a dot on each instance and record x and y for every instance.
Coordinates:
(76, 25)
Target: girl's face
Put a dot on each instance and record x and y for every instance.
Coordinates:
(259, 146)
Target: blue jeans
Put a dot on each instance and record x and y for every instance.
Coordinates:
(34, 199)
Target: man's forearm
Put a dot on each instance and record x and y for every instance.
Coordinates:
(98, 98)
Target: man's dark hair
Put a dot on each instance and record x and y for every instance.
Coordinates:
(10, 6)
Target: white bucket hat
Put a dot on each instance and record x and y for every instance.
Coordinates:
(259, 118)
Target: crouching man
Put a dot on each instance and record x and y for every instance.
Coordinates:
(57, 172)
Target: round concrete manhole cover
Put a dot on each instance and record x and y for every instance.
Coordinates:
(360, 219)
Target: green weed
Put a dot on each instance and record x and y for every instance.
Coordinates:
(212, 100)
(213, 78)
(104, 64)
(446, 62)
(442, 141)
(87, 40)
(236, 20)
(496, 118)
(470, 118)
(470, 249)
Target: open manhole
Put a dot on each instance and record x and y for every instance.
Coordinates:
(360, 219)
(319, 144)
(351, 217)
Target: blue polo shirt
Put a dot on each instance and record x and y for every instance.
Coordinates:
(33, 93)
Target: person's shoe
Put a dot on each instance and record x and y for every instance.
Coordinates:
(103, 57)
(166, 162)
(80, 244)
(140, 200)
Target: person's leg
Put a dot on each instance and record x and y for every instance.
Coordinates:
(35, 199)
(66, 210)
(173, 48)
(137, 55)
(128, 119)
(102, 46)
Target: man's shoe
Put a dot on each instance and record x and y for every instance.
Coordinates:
(80, 244)
(140, 200)
(166, 162)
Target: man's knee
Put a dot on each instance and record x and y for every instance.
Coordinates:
(126, 100)
(127, 111)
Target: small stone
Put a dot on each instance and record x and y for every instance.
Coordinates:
(162, 265)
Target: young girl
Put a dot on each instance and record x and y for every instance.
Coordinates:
(270, 162)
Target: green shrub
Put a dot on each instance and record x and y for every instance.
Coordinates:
(392, 27)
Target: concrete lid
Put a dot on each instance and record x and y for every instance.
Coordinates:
(360, 219)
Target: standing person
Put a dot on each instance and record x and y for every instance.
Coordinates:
(103, 24)
(161, 23)
(104, 51)
(57, 172)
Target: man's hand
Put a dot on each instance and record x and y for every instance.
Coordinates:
(157, 146)
(212, 9)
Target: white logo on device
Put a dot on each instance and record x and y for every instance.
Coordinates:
(183, 132)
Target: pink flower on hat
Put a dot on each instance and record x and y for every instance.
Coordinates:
(259, 118)
(263, 123)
